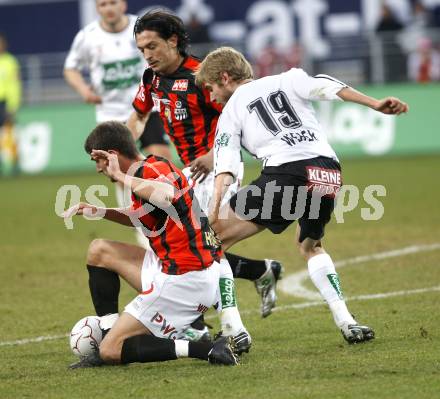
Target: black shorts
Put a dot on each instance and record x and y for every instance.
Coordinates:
(154, 132)
(302, 190)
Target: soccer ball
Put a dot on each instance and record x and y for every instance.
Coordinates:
(86, 335)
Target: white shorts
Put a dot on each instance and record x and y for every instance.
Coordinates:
(168, 304)
(204, 190)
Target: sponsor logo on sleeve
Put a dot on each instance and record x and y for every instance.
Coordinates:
(141, 94)
(223, 140)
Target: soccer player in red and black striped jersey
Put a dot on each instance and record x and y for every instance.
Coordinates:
(176, 281)
(190, 119)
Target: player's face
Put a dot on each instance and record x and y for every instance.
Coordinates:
(111, 11)
(162, 55)
(101, 167)
(218, 92)
(101, 164)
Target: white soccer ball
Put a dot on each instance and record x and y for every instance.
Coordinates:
(86, 335)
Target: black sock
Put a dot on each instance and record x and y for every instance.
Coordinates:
(249, 269)
(104, 288)
(147, 348)
(199, 350)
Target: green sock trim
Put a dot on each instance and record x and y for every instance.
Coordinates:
(227, 293)
(334, 281)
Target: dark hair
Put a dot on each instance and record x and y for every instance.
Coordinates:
(112, 135)
(166, 25)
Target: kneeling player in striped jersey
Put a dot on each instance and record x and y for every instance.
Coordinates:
(177, 281)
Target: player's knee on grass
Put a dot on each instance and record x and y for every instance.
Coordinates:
(110, 351)
(97, 251)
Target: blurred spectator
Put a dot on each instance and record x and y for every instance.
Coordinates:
(417, 28)
(266, 62)
(272, 61)
(388, 21)
(293, 57)
(388, 29)
(199, 36)
(424, 64)
(10, 99)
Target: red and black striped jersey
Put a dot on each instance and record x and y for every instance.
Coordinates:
(180, 235)
(188, 114)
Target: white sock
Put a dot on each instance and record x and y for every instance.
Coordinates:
(323, 274)
(230, 319)
(181, 347)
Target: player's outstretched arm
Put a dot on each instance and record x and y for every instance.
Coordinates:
(75, 79)
(117, 215)
(388, 105)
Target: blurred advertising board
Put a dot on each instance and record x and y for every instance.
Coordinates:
(254, 23)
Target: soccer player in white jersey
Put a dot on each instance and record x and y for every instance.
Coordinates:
(273, 118)
(106, 48)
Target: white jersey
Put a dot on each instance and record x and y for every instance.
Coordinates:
(115, 65)
(273, 118)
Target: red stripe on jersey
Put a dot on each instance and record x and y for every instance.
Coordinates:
(191, 63)
(202, 144)
(182, 244)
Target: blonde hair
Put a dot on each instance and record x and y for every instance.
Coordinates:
(223, 59)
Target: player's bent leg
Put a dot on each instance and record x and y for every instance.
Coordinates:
(125, 327)
(232, 229)
(106, 261)
(118, 257)
(130, 341)
(323, 275)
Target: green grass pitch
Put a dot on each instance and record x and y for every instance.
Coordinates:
(297, 352)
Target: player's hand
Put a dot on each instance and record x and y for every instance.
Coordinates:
(201, 167)
(81, 208)
(90, 97)
(147, 78)
(110, 166)
(391, 106)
